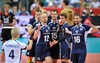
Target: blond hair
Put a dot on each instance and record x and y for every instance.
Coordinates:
(15, 32)
(6, 5)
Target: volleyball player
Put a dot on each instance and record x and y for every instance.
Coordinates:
(53, 33)
(42, 34)
(79, 34)
(32, 24)
(13, 48)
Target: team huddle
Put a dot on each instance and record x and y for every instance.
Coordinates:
(50, 40)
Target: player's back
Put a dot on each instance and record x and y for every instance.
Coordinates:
(70, 15)
(12, 49)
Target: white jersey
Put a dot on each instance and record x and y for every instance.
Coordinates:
(13, 50)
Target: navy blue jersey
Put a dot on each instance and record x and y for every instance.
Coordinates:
(6, 19)
(53, 30)
(79, 35)
(65, 43)
(44, 35)
(33, 23)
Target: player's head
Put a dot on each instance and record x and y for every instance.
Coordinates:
(44, 17)
(40, 4)
(54, 14)
(38, 14)
(6, 7)
(63, 17)
(65, 3)
(77, 19)
(15, 32)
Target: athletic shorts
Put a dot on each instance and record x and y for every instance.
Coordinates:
(31, 52)
(55, 51)
(65, 53)
(42, 51)
(78, 58)
(6, 34)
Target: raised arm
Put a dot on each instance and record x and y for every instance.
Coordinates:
(94, 29)
(30, 29)
(37, 31)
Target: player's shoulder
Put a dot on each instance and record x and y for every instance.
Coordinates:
(86, 26)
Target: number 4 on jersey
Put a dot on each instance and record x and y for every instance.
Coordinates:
(11, 54)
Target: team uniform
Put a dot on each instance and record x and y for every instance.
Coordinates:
(79, 35)
(70, 15)
(42, 45)
(54, 35)
(31, 52)
(13, 50)
(65, 47)
(6, 19)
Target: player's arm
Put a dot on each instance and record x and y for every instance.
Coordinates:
(30, 29)
(29, 46)
(0, 22)
(60, 39)
(37, 31)
(1, 19)
(94, 29)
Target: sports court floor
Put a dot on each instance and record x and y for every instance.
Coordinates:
(93, 49)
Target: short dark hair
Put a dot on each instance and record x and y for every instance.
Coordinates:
(66, 2)
(38, 10)
(41, 3)
(54, 10)
(63, 14)
(78, 15)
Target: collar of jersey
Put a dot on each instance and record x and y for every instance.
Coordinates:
(79, 25)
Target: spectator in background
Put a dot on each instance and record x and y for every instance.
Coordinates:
(75, 3)
(24, 11)
(88, 11)
(14, 10)
(86, 2)
(95, 4)
(14, 3)
(69, 12)
(33, 5)
(40, 6)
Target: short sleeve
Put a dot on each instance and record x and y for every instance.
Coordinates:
(23, 46)
(88, 29)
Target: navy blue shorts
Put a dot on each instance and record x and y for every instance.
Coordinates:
(42, 51)
(65, 53)
(31, 52)
(55, 51)
(78, 58)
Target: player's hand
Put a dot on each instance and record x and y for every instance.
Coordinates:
(87, 22)
(53, 43)
(39, 27)
(60, 22)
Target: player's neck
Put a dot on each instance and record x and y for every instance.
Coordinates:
(78, 24)
(44, 23)
(65, 6)
(54, 20)
(14, 38)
